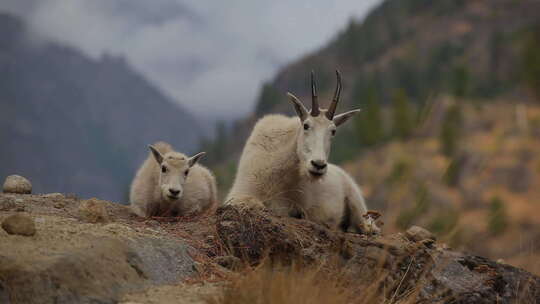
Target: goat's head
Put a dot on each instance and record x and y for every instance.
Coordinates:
(318, 127)
(173, 171)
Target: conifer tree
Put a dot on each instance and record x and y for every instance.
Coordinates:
(268, 98)
(369, 126)
(451, 130)
(402, 115)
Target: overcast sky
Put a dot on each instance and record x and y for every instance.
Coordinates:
(211, 56)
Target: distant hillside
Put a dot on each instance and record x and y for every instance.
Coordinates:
(78, 125)
(421, 46)
(407, 52)
(487, 189)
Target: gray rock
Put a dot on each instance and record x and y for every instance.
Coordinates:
(161, 261)
(419, 234)
(100, 271)
(19, 224)
(17, 184)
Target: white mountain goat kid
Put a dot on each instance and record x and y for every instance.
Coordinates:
(284, 167)
(170, 183)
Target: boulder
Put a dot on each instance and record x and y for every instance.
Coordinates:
(93, 211)
(17, 184)
(19, 224)
(419, 234)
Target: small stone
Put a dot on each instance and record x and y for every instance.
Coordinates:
(53, 196)
(17, 184)
(19, 224)
(59, 205)
(228, 261)
(93, 211)
(418, 234)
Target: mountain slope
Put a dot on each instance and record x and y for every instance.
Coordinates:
(423, 47)
(77, 125)
(448, 88)
(417, 49)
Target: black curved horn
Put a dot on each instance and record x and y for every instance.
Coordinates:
(314, 98)
(332, 109)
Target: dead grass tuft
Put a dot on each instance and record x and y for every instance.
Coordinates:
(284, 285)
(294, 284)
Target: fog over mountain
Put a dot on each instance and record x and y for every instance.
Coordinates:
(212, 56)
(75, 124)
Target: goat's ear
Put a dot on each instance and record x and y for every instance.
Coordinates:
(195, 158)
(157, 155)
(298, 107)
(343, 117)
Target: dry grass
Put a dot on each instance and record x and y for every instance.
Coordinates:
(268, 284)
(284, 285)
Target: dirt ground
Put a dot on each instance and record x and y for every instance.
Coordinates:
(93, 251)
(76, 260)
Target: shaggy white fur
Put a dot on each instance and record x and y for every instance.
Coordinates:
(284, 166)
(270, 174)
(169, 182)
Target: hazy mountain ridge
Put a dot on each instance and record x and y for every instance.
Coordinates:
(419, 46)
(74, 124)
(415, 47)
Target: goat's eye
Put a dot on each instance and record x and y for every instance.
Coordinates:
(186, 172)
(333, 132)
(163, 169)
(306, 126)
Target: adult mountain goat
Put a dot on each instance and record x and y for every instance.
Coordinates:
(169, 182)
(284, 167)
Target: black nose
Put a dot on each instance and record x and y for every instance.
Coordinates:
(319, 164)
(174, 192)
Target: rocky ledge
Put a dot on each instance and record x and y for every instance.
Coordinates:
(93, 251)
